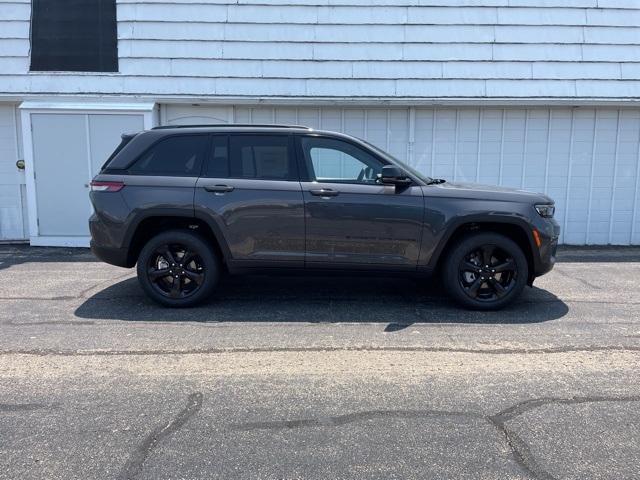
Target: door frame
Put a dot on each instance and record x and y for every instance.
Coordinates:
(28, 108)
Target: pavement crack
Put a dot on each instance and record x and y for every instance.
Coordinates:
(520, 449)
(15, 323)
(133, 466)
(215, 351)
(577, 279)
(522, 407)
(345, 419)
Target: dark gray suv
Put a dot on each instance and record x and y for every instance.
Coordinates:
(187, 203)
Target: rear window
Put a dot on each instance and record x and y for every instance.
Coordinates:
(123, 143)
(173, 156)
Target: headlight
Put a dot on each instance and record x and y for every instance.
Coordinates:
(546, 210)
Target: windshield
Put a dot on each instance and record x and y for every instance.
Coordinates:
(412, 171)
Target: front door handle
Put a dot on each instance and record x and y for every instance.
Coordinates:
(324, 192)
(219, 188)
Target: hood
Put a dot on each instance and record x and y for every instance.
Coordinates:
(488, 192)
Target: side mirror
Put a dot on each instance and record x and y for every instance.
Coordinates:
(392, 175)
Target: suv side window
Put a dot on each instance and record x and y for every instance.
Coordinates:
(179, 156)
(217, 165)
(262, 157)
(265, 157)
(334, 161)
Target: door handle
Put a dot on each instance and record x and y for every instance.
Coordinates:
(218, 188)
(324, 192)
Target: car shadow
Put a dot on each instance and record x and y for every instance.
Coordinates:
(398, 302)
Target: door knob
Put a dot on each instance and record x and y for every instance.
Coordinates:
(20, 164)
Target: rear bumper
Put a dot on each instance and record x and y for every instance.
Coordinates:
(114, 256)
(104, 247)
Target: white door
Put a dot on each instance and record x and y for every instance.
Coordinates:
(12, 181)
(60, 165)
(68, 150)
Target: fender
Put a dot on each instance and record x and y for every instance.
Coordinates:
(140, 215)
(187, 214)
(454, 224)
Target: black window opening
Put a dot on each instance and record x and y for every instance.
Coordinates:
(261, 157)
(74, 36)
(179, 156)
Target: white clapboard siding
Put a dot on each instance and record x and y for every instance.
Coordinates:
(11, 180)
(586, 159)
(468, 49)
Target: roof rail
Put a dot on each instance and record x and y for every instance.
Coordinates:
(259, 125)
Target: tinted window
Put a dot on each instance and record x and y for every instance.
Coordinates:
(260, 156)
(173, 156)
(123, 143)
(218, 162)
(74, 35)
(331, 160)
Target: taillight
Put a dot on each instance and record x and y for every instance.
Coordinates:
(106, 186)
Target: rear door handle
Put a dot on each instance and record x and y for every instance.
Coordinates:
(324, 192)
(219, 188)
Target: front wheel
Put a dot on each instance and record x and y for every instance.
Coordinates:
(485, 271)
(178, 269)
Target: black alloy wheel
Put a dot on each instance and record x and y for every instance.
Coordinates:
(176, 271)
(178, 268)
(485, 271)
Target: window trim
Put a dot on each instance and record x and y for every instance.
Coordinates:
(203, 153)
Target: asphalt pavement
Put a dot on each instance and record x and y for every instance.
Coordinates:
(317, 378)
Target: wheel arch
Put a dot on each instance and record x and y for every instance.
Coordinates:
(515, 229)
(150, 225)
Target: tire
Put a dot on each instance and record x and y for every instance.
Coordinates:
(472, 284)
(160, 263)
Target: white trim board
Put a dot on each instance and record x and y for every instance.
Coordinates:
(92, 106)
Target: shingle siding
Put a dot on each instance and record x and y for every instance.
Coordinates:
(581, 49)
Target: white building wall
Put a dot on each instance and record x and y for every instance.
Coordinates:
(586, 159)
(12, 226)
(394, 49)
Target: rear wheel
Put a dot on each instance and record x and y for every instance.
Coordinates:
(178, 269)
(485, 271)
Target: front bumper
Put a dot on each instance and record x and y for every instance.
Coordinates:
(549, 232)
